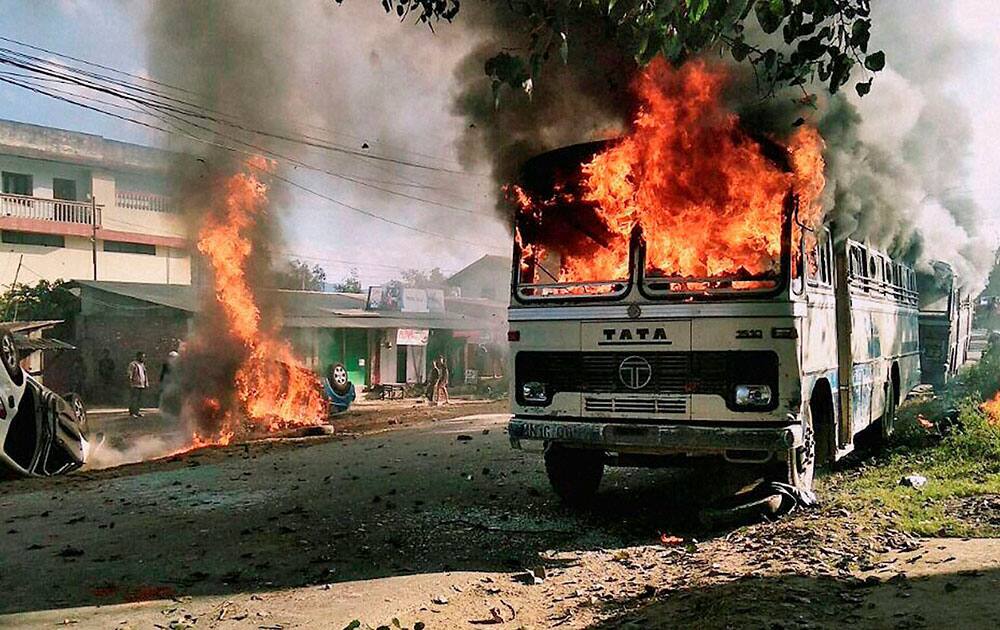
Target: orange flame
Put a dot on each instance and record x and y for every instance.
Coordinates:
(708, 196)
(992, 409)
(273, 389)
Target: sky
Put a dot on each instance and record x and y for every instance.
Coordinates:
(389, 84)
(389, 87)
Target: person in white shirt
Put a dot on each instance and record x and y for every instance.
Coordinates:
(138, 382)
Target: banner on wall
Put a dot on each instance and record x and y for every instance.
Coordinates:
(412, 336)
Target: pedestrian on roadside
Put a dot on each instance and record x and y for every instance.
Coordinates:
(442, 383)
(137, 382)
(432, 383)
(107, 375)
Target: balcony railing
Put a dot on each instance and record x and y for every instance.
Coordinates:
(24, 207)
(151, 202)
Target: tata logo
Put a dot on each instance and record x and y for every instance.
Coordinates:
(635, 372)
(626, 336)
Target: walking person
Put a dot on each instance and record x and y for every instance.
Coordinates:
(442, 382)
(432, 383)
(138, 382)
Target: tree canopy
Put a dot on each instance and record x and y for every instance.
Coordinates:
(807, 39)
(300, 276)
(43, 300)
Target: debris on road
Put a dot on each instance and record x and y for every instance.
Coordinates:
(913, 481)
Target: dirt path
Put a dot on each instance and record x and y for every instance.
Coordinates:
(436, 523)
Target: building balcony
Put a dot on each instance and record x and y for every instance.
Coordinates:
(151, 202)
(32, 209)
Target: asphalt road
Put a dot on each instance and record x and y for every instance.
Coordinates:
(443, 496)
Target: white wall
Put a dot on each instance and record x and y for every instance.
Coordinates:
(75, 261)
(43, 172)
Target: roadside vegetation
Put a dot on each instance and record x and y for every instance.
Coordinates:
(954, 444)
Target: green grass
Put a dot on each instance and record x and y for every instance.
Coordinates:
(964, 462)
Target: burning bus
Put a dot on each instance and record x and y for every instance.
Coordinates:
(945, 325)
(676, 295)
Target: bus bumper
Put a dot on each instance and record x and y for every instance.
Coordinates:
(647, 438)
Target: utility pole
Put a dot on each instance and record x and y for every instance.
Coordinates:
(93, 233)
(13, 285)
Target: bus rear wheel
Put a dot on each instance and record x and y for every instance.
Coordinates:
(889, 415)
(575, 474)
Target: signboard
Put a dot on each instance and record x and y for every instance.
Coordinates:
(412, 337)
(388, 297)
(435, 300)
(414, 300)
(471, 377)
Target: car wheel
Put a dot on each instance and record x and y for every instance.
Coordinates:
(339, 381)
(9, 356)
(79, 411)
(575, 474)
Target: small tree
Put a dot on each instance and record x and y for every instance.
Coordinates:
(43, 300)
(419, 279)
(301, 277)
(350, 284)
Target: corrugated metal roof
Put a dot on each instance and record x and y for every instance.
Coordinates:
(24, 342)
(309, 309)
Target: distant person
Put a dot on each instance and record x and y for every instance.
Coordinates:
(106, 374)
(441, 391)
(137, 382)
(168, 366)
(432, 382)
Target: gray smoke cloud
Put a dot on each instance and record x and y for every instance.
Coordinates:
(586, 98)
(229, 62)
(897, 161)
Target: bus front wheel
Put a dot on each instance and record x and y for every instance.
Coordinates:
(575, 474)
(799, 467)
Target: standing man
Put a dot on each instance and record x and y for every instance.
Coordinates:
(442, 384)
(138, 382)
(107, 375)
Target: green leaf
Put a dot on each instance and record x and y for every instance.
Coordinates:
(860, 33)
(700, 8)
(875, 61)
(769, 18)
(354, 625)
(864, 87)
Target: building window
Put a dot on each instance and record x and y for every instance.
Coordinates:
(124, 247)
(11, 237)
(17, 184)
(64, 189)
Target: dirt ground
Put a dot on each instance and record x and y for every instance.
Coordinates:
(439, 521)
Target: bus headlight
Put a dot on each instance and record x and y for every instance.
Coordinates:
(752, 396)
(534, 391)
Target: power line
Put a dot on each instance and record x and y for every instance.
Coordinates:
(289, 182)
(180, 89)
(184, 115)
(25, 61)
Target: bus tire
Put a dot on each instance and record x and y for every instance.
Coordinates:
(799, 467)
(889, 414)
(575, 474)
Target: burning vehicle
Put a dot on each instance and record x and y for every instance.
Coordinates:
(677, 296)
(41, 433)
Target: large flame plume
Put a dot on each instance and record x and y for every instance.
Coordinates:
(272, 390)
(708, 196)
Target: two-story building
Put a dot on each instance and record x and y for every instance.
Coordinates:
(77, 206)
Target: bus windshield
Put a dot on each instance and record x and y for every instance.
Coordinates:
(569, 245)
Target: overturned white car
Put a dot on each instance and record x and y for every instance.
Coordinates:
(41, 433)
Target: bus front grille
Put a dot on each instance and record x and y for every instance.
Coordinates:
(646, 405)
